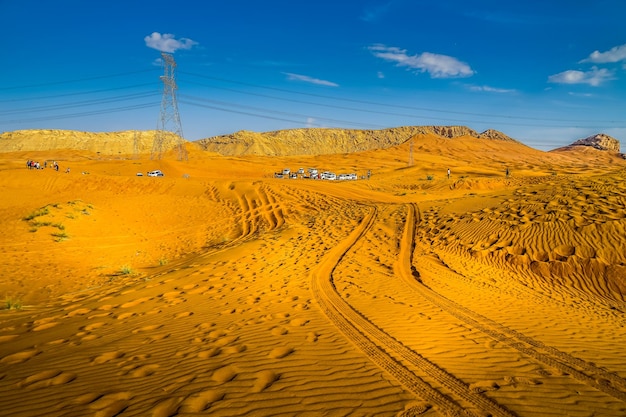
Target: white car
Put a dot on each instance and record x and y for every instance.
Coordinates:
(155, 173)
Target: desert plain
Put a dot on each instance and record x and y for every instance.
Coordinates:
(221, 290)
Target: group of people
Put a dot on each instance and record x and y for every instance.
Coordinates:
(30, 164)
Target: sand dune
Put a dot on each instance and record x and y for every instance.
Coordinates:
(220, 290)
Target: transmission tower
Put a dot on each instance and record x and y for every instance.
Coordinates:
(169, 121)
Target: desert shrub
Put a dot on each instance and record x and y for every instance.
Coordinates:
(430, 177)
(11, 303)
(60, 236)
(37, 213)
(126, 270)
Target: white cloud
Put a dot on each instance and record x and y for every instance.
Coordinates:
(593, 77)
(438, 66)
(310, 122)
(167, 43)
(380, 75)
(489, 89)
(615, 54)
(571, 93)
(311, 80)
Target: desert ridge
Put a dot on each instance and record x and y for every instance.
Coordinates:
(218, 289)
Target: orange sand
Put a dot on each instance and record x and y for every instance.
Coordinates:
(219, 290)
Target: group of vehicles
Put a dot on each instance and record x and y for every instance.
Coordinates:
(313, 173)
(155, 173)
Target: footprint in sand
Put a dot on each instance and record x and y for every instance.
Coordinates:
(8, 337)
(415, 409)
(93, 326)
(226, 340)
(515, 380)
(224, 374)
(46, 379)
(264, 379)
(167, 407)
(281, 352)
(157, 337)
(140, 371)
(107, 357)
(298, 322)
(45, 326)
(149, 328)
(78, 312)
(483, 386)
(20, 357)
(132, 359)
(205, 326)
(312, 337)
(106, 405)
(209, 353)
(279, 331)
(125, 316)
(200, 401)
(135, 303)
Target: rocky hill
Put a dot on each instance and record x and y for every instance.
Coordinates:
(600, 141)
(319, 141)
(113, 143)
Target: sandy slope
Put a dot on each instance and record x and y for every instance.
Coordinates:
(249, 295)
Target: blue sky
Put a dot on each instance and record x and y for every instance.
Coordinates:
(544, 72)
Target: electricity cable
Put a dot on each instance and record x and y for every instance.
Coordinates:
(392, 105)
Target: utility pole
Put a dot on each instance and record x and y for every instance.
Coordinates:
(169, 120)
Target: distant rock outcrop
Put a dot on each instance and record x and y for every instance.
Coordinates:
(496, 135)
(109, 143)
(600, 141)
(311, 141)
(318, 141)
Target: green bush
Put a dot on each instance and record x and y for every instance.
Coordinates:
(12, 303)
(126, 270)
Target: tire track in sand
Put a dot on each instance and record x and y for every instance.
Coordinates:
(579, 369)
(388, 353)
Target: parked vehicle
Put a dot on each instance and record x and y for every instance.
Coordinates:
(155, 173)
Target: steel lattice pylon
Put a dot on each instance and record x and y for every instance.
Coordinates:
(169, 120)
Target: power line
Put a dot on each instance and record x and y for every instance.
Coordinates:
(53, 107)
(393, 105)
(99, 77)
(79, 93)
(82, 114)
(218, 105)
(223, 103)
(299, 122)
